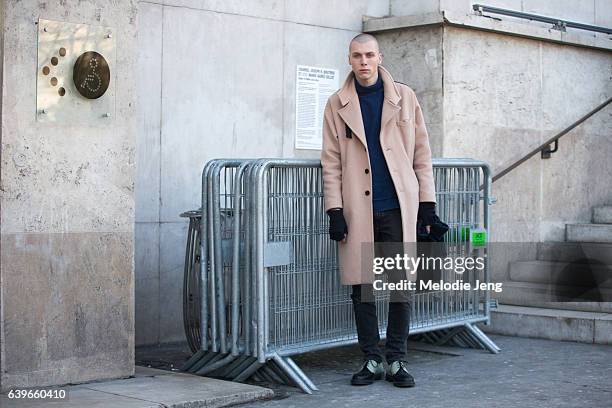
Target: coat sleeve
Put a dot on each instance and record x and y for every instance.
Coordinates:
(331, 162)
(422, 157)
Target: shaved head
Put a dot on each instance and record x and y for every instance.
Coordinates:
(362, 39)
(364, 58)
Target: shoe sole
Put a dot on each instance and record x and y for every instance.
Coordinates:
(400, 384)
(368, 382)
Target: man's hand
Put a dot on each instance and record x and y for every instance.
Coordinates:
(427, 211)
(337, 225)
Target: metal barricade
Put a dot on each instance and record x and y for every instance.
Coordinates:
(269, 286)
(191, 281)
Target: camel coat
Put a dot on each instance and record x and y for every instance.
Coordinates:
(347, 180)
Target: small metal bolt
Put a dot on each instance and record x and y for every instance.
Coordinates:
(45, 29)
(106, 115)
(109, 35)
(43, 111)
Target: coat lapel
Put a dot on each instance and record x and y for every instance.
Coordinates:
(351, 110)
(391, 103)
(351, 115)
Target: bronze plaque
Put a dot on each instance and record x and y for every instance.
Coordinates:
(91, 75)
(60, 98)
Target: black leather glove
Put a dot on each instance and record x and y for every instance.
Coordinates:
(427, 212)
(337, 224)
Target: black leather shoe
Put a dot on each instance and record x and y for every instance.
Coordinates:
(370, 372)
(398, 374)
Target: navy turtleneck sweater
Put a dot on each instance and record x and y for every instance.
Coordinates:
(384, 196)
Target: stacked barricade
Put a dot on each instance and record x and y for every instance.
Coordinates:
(261, 279)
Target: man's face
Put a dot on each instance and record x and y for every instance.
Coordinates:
(365, 59)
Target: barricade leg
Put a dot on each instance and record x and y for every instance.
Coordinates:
(216, 365)
(483, 338)
(301, 373)
(293, 375)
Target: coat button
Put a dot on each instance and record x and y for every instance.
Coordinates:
(367, 192)
(367, 171)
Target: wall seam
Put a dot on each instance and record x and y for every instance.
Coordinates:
(2, 346)
(542, 169)
(443, 34)
(283, 34)
(159, 184)
(282, 20)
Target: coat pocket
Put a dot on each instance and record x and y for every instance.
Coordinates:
(403, 122)
(407, 130)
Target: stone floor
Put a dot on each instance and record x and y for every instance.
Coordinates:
(149, 388)
(526, 373)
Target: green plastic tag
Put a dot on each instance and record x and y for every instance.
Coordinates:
(478, 237)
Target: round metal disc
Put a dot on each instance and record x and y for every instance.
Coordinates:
(91, 75)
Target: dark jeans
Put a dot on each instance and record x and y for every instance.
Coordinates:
(387, 229)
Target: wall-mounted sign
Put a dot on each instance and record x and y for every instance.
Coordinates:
(91, 75)
(75, 82)
(313, 87)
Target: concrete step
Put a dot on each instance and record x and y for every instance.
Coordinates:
(602, 214)
(588, 232)
(151, 388)
(589, 275)
(551, 324)
(561, 251)
(546, 296)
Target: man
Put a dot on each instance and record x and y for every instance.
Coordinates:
(378, 178)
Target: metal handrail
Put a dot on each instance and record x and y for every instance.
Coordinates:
(557, 22)
(553, 139)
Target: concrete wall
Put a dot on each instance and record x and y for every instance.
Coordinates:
(216, 79)
(414, 57)
(67, 213)
(584, 11)
(595, 12)
(515, 95)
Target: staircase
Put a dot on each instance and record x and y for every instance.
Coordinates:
(598, 231)
(579, 266)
